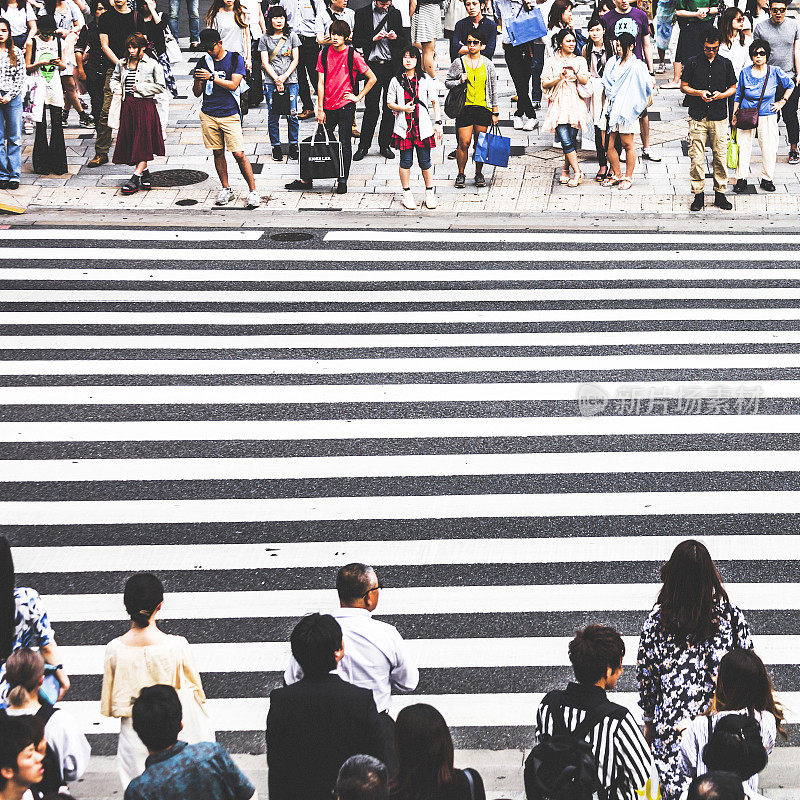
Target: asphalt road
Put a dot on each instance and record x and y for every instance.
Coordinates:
(515, 431)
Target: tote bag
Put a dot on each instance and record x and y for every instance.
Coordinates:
(321, 156)
(526, 27)
(197, 725)
(732, 160)
(456, 97)
(492, 148)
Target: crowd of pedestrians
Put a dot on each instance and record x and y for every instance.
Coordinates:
(710, 715)
(737, 66)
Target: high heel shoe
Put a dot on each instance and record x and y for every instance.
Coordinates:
(575, 180)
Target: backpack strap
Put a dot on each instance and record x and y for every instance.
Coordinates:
(555, 702)
(597, 714)
(45, 712)
(351, 57)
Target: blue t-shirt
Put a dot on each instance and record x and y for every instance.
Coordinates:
(221, 102)
(203, 770)
(748, 90)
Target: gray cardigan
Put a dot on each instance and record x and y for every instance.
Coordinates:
(454, 78)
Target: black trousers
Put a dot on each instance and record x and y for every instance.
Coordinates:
(50, 158)
(95, 85)
(343, 118)
(599, 135)
(520, 64)
(375, 106)
(307, 75)
(255, 94)
(386, 732)
(789, 114)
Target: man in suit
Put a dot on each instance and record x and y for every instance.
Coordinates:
(316, 724)
(378, 34)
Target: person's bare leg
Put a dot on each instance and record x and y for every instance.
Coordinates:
(429, 58)
(675, 83)
(427, 176)
(630, 154)
(612, 155)
(476, 130)
(644, 130)
(221, 165)
(572, 161)
(462, 154)
(246, 170)
(405, 177)
(71, 99)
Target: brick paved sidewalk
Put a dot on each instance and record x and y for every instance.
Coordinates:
(528, 185)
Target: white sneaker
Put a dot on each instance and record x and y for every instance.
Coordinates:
(518, 122)
(224, 197)
(254, 199)
(430, 199)
(530, 124)
(408, 200)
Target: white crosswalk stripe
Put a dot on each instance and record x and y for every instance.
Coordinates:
(515, 438)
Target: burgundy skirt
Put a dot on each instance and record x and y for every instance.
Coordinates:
(139, 137)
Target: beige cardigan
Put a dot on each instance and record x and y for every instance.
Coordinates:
(128, 670)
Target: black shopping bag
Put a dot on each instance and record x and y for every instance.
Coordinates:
(321, 156)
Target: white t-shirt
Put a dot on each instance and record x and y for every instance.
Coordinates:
(253, 9)
(230, 32)
(403, 7)
(18, 18)
(324, 20)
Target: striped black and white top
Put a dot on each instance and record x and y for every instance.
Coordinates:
(620, 750)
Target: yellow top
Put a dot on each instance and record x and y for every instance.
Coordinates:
(128, 670)
(476, 85)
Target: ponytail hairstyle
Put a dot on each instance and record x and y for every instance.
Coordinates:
(144, 593)
(8, 605)
(24, 673)
(743, 683)
(238, 13)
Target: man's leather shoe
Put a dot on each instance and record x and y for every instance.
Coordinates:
(698, 203)
(767, 186)
(720, 201)
(359, 154)
(740, 187)
(387, 152)
(98, 161)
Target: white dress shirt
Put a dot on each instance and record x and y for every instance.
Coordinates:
(375, 657)
(325, 17)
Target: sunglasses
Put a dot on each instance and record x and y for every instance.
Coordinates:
(777, 11)
(473, 41)
(760, 53)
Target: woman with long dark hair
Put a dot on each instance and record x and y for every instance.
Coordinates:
(145, 656)
(743, 687)
(23, 622)
(425, 757)
(684, 638)
(12, 84)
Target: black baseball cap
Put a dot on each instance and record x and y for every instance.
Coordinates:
(208, 38)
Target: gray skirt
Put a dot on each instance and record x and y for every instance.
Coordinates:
(426, 24)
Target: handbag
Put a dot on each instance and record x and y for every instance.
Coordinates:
(280, 103)
(456, 97)
(747, 118)
(492, 148)
(321, 157)
(115, 110)
(585, 90)
(732, 159)
(526, 27)
(174, 53)
(197, 725)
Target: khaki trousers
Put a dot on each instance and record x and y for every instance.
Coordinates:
(716, 132)
(767, 132)
(104, 133)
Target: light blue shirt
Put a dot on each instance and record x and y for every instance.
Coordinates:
(748, 90)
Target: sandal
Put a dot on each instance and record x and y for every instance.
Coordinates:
(622, 184)
(602, 174)
(564, 179)
(610, 180)
(575, 180)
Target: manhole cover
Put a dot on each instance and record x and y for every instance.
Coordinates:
(186, 202)
(291, 236)
(178, 177)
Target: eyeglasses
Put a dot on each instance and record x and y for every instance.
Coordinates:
(473, 41)
(760, 53)
(710, 47)
(370, 591)
(777, 11)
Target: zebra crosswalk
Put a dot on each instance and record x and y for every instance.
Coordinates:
(514, 428)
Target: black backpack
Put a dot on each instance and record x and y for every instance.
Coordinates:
(735, 745)
(562, 766)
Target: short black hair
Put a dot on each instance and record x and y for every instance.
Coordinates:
(315, 640)
(362, 777)
(594, 650)
(712, 35)
(778, 2)
(15, 736)
(759, 44)
(353, 581)
(157, 717)
(716, 786)
(339, 28)
(476, 34)
(46, 23)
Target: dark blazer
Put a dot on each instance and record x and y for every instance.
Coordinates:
(362, 33)
(313, 727)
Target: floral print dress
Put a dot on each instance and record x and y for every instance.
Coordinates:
(676, 679)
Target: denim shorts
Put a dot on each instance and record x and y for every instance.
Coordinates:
(423, 157)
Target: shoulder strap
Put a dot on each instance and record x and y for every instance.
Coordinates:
(710, 727)
(471, 781)
(763, 88)
(350, 71)
(555, 702)
(45, 712)
(33, 49)
(325, 60)
(274, 53)
(596, 715)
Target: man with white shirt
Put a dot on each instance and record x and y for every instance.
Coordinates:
(326, 14)
(375, 655)
(304, 24)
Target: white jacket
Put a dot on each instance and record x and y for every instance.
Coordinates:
(428, 94)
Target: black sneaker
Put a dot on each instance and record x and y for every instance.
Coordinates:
(277, 153)
(3, 183)
(341, 186)
(720, 201)
(794, 156)
(146, 182)
(480, 181)
(294, 153)
(452, 155)
(461, 181)
(12, 185)
(767, 186)
(698, 203)
(740, 187)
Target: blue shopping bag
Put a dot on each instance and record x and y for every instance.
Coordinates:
(492, 148)
(526, 27)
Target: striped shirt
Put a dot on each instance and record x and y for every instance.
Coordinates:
(620, 751)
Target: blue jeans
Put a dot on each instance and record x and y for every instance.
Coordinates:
(537, 64)
(193, 7)
(423, 157)
(11, 139)
(567, 137)
(274, 120)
